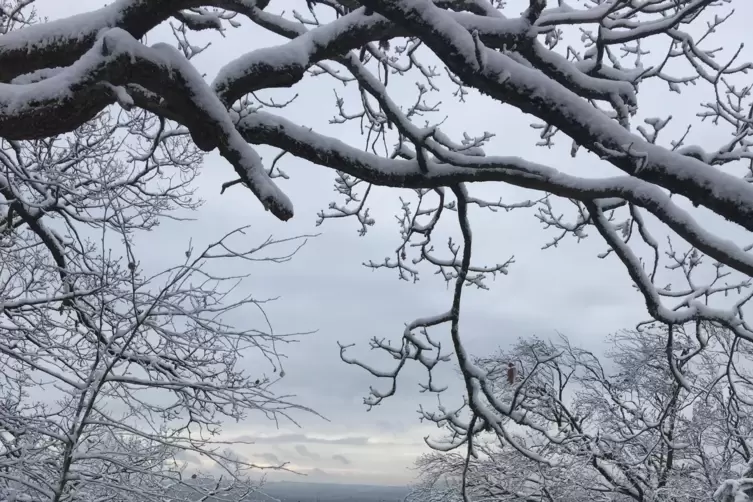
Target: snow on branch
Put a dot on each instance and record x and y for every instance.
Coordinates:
(578, 73)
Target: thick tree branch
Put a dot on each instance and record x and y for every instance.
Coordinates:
(510, 82)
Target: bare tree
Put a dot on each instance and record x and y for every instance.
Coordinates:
(576, 70)
(112, 375)
(625, 429)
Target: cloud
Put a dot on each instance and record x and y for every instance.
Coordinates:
(188, 457)
(269, 457)
(396, 427)
(303, 438)
(341, 459)
(305, 452)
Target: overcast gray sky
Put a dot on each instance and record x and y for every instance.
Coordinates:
(325, 288)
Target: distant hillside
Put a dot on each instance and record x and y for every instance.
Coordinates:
(330, 492)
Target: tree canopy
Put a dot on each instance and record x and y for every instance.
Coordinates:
(103, 133)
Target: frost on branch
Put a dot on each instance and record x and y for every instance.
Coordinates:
(111, 377)
(114, 377)
(621, 428)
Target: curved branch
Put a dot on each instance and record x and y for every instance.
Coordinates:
(61, 42)
(264, 128)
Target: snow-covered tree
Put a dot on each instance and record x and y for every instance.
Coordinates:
(615, 430)
(114, 374)
(673, 206)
